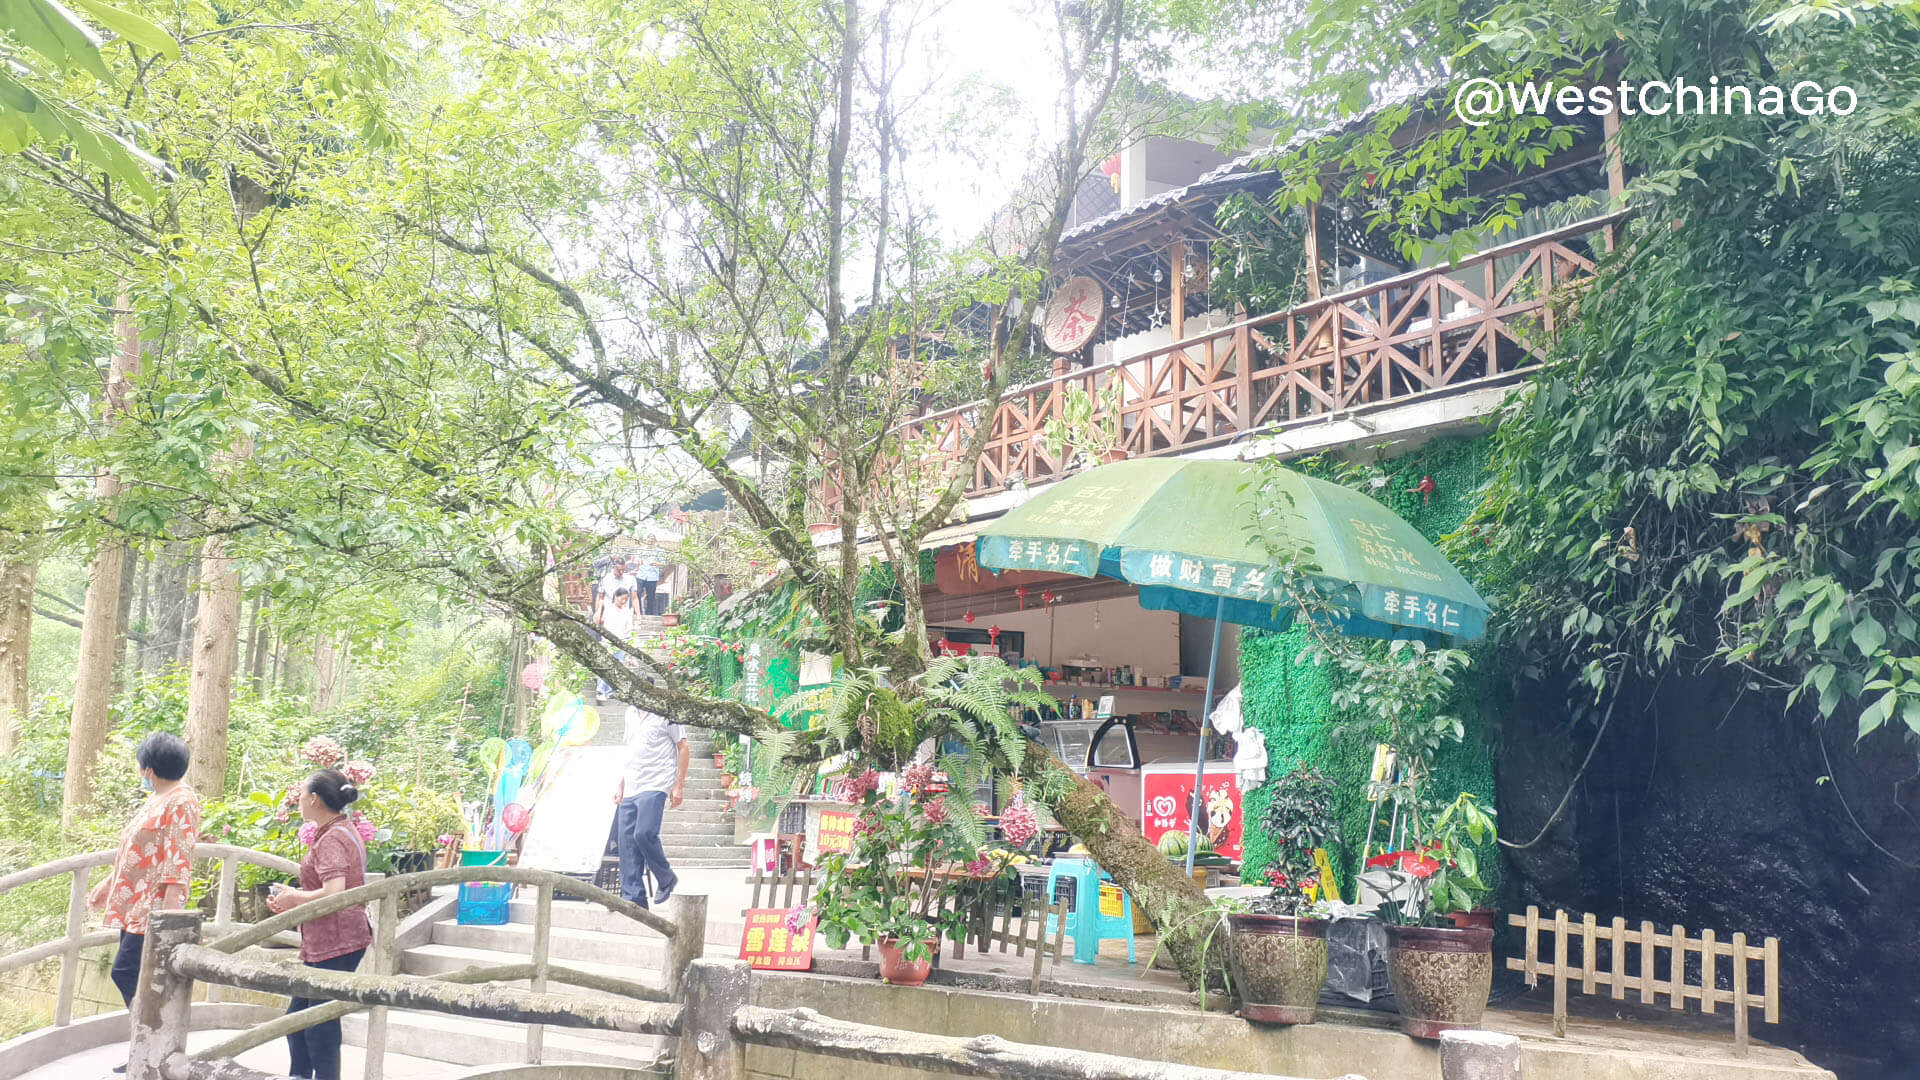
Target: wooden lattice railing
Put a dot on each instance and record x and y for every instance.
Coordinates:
(1476, 322)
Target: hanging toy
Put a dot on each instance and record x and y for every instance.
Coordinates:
(1021, 593)
(1426, 487)
(967, 618)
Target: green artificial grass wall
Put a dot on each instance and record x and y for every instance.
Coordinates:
(1289, 700)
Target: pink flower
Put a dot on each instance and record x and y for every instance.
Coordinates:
(322, 751)
(980, 867)
(797, 919)
(365, 827)
(854, 789)
(936, 813)
(917, 777)
(308, 830)
(447, 839)
(1018, 823)
(292, 795)
(358, 771)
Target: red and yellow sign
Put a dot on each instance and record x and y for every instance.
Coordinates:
(836, 832)
(769, 943)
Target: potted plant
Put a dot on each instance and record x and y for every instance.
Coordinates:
(1278, 944)
(1440, 972)
(892, 890)
(1088, 426)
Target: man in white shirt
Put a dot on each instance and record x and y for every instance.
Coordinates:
(655, 779)
(619, 579)
(649, 576)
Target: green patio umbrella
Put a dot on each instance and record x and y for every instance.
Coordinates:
(1185, 532)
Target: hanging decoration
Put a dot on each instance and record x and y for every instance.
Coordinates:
(1047, 598)
(1426, 487)
(967, 618)
(1020, 593)
(993, 634)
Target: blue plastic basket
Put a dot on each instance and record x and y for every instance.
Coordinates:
(483, 903)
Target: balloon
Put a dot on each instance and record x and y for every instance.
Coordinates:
(560, 710)
(516, 818)
(582, 731)
(493, 755)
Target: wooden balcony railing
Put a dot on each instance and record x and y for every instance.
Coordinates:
(1476, 322)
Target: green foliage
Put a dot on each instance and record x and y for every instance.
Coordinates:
(1297, 819)
(1439, 873)
(883, 889)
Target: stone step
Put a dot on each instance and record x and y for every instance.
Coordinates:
(697, 803)
(712, 862)
(564, 943)
(449, 959)
(699, 817)
(723, 927)
(676, 825)
(676, 852)
(461, 1040)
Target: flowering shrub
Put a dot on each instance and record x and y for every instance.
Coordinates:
(1018, 823)
(322, 752)
(360, 772)
(1299, 819)
(895, 883)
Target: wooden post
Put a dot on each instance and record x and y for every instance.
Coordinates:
(1740, 994)
(1177, 302)
(1647, 975)
(542, 933)
(1616, 170)
(161, 1005)
(1533, 945)
(715, 990)
(688, 942)
(1313, 251)
(70, 957)
(1679, 955)
(1587, 951)
(1770, 969)
(1560, 973)
(1707, 991)
(1619, 958)
(223, 902)
(386, 920)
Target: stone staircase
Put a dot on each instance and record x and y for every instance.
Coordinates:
(583, 936)
(700, 832)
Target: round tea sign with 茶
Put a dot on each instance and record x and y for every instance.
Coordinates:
(1074, 314)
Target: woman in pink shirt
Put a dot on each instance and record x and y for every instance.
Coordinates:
(336, 861)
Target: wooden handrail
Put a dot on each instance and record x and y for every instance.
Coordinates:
(393, 886)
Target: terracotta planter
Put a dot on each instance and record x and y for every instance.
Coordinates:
(719, 761)
(1278, 963)
(1440, 976)
(896, 970)
(1477, 919)
(1108, 457)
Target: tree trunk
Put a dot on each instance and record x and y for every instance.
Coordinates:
(16, 636)
(123, 616)
(250, 645)
(325, 672)
(93, 679)
(216, 631)
(171, 600)
(1160, 890)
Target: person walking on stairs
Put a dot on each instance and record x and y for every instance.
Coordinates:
(654, 780)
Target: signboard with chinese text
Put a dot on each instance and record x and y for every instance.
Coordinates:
(770, 943)
(957, 573)
(1112, 901)
(1073, 315)
(836, 832)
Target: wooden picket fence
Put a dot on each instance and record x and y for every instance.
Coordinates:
(1647, 981)
(989, 917)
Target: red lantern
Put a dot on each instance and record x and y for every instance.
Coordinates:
(967, 618)
(1047, 598)
(1021, 592)
(993, 634)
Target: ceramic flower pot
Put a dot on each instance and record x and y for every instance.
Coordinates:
(1278, 964)
(1478, 918)
(1440, 976)
(899, 971)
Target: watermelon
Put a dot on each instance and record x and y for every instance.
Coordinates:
(1173, 844)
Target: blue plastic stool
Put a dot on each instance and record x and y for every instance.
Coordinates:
(1085, 924)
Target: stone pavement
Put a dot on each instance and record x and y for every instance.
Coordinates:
(98, 1063)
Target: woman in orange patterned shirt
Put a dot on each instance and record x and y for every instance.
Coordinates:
(156, 855)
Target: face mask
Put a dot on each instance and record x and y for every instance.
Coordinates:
(146, 783)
